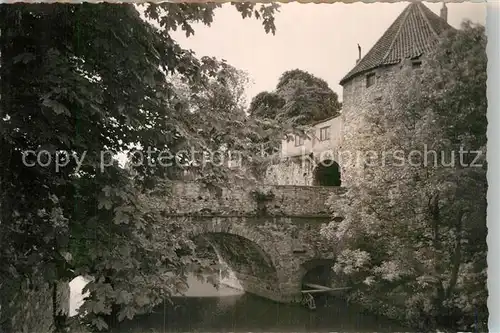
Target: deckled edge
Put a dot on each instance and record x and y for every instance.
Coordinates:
(493, 160)
(493, 132)
(224, 1)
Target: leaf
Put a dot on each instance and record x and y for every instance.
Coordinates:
(123, 297)
(67, 256)
(99, 323)
(121, 217)
(107, 190)
(142, 300)
(104, 203)
(57, 107)
(24, 58)
(127, 312)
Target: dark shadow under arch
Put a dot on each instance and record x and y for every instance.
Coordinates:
(327, 173)
(317, 271)
(242, 255)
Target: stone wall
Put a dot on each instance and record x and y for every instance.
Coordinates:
(261, 287)
(191, 198)
(29, 307)
(358, 99)
(301, 171)
(292, 171)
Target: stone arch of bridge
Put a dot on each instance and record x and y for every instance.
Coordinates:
(327, 173)
(251, 255)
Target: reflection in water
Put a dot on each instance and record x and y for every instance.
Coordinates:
(202, 289)
(207, 309)
(230, 286)
(229, 310)
(247, 313)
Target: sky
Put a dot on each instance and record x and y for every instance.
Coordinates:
(319, 38)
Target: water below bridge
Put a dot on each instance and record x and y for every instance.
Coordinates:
(206, 309)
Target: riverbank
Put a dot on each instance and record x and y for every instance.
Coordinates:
(394, 309)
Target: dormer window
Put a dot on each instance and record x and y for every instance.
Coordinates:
(370, 80)
(299, 141)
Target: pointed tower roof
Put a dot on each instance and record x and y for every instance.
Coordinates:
(413, 33)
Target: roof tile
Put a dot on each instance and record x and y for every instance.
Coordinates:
(413, 33)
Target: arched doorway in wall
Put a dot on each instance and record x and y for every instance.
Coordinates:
(327, 173)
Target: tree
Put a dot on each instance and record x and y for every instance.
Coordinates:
(81, 83)
(216, 109)
(414, 232)
(217, 117)
(300, 98)
(266, 105)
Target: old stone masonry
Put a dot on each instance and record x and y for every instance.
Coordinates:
(268, 234)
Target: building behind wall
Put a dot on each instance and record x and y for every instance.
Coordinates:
(413, 34)
(301, 154)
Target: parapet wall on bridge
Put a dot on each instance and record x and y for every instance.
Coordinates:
(191, 198)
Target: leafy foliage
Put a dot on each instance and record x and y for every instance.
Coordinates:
(266, 105)
(300, 98)
(414, 233)
(81, 83)
(217, 118)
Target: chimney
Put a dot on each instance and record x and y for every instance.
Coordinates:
(444, 12)
(359, 54)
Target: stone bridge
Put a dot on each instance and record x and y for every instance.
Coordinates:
(268, 235)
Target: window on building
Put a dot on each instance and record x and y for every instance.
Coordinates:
(416, 64)
(299, 140)
(370, 80)
(324, 133)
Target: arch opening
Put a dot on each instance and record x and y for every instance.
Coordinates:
(327, 173)
(318, 272)
(241, 263)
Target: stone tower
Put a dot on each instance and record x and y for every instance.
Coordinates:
(413, 34)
